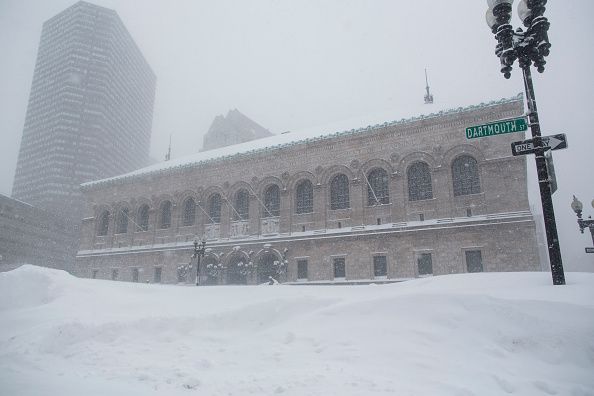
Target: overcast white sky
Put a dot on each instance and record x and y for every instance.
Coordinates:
(290, 65)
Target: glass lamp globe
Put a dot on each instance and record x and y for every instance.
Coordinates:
(576, 205)
(493, 3)
(490, 18)
(523, 10)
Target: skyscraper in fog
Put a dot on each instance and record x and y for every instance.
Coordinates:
(90, 109)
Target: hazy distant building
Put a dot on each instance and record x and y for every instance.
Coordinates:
(90, 109)
(34, 236)
(234, 128)
(391, 201)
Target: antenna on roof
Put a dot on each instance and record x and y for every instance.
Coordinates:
(428, 96)
(168, 155)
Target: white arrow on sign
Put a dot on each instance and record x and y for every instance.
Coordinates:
(552, 142)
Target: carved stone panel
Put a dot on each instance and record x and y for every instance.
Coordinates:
(270, 225)
(240, 228)
(213, 231)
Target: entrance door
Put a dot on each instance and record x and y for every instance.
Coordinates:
(266, 268)
(234, 276)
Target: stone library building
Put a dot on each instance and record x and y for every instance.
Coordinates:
(386, 202)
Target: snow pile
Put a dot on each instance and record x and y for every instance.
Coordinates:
(472, 334)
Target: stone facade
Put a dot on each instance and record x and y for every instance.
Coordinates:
(29, 235)
(469, 210)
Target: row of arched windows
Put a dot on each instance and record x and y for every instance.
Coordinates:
(465, 179)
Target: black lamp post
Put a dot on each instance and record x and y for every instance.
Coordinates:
(577, 207)
(529, 47)
(198, 253)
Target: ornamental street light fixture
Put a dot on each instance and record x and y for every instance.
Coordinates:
(577, 207)
(529, 47)
(198, 253)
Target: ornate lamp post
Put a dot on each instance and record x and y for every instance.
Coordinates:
(529, 47)
(198, 253)
(577, 207)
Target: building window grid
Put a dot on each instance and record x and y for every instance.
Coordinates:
(242, 205)
(302, 269)
(419, 182)
(143, 218)
(103, 223)
(189, 212)
(165, 215)
(158, 274)
(304, 197)
(380, 266)
(122, 227)
(425, 264)
(214, 208)
(465, 176)
(339, 192)
(272, 201)
(474, 261)
(378, 192)
(339, 267)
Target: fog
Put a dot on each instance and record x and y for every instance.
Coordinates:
(290, 65)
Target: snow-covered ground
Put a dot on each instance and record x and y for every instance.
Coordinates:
(472, 334)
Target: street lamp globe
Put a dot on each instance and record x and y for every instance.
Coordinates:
(490, 18)
(524, 12)
(576, 205)
(494, 3)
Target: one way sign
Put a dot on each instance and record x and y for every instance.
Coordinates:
(554, 142)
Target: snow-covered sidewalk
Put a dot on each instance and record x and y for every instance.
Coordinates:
(472, 334)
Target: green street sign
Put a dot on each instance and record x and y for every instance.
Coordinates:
(497, 128)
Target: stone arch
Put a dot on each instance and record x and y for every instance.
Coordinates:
(450, 155)
(232, 190)
(232, 271)
(298, 177)
(266, 182)
(264, 261)
(208, 259)
(376, 163)
(413, 157)
(334, 170)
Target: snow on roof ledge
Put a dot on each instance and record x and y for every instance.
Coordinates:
(275, 142)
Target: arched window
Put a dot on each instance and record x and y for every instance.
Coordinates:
(214, 208)
(122, 227)
(103, 223)
(419, 182)
(143, 218)
(189, 215)
(165, 215)
(378, 192)
(465, 176)
(272, 201)
(339, 192)
(242, 205)
(304, 197)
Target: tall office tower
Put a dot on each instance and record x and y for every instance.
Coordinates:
(90, 109)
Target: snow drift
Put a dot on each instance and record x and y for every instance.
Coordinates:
(471, 334)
